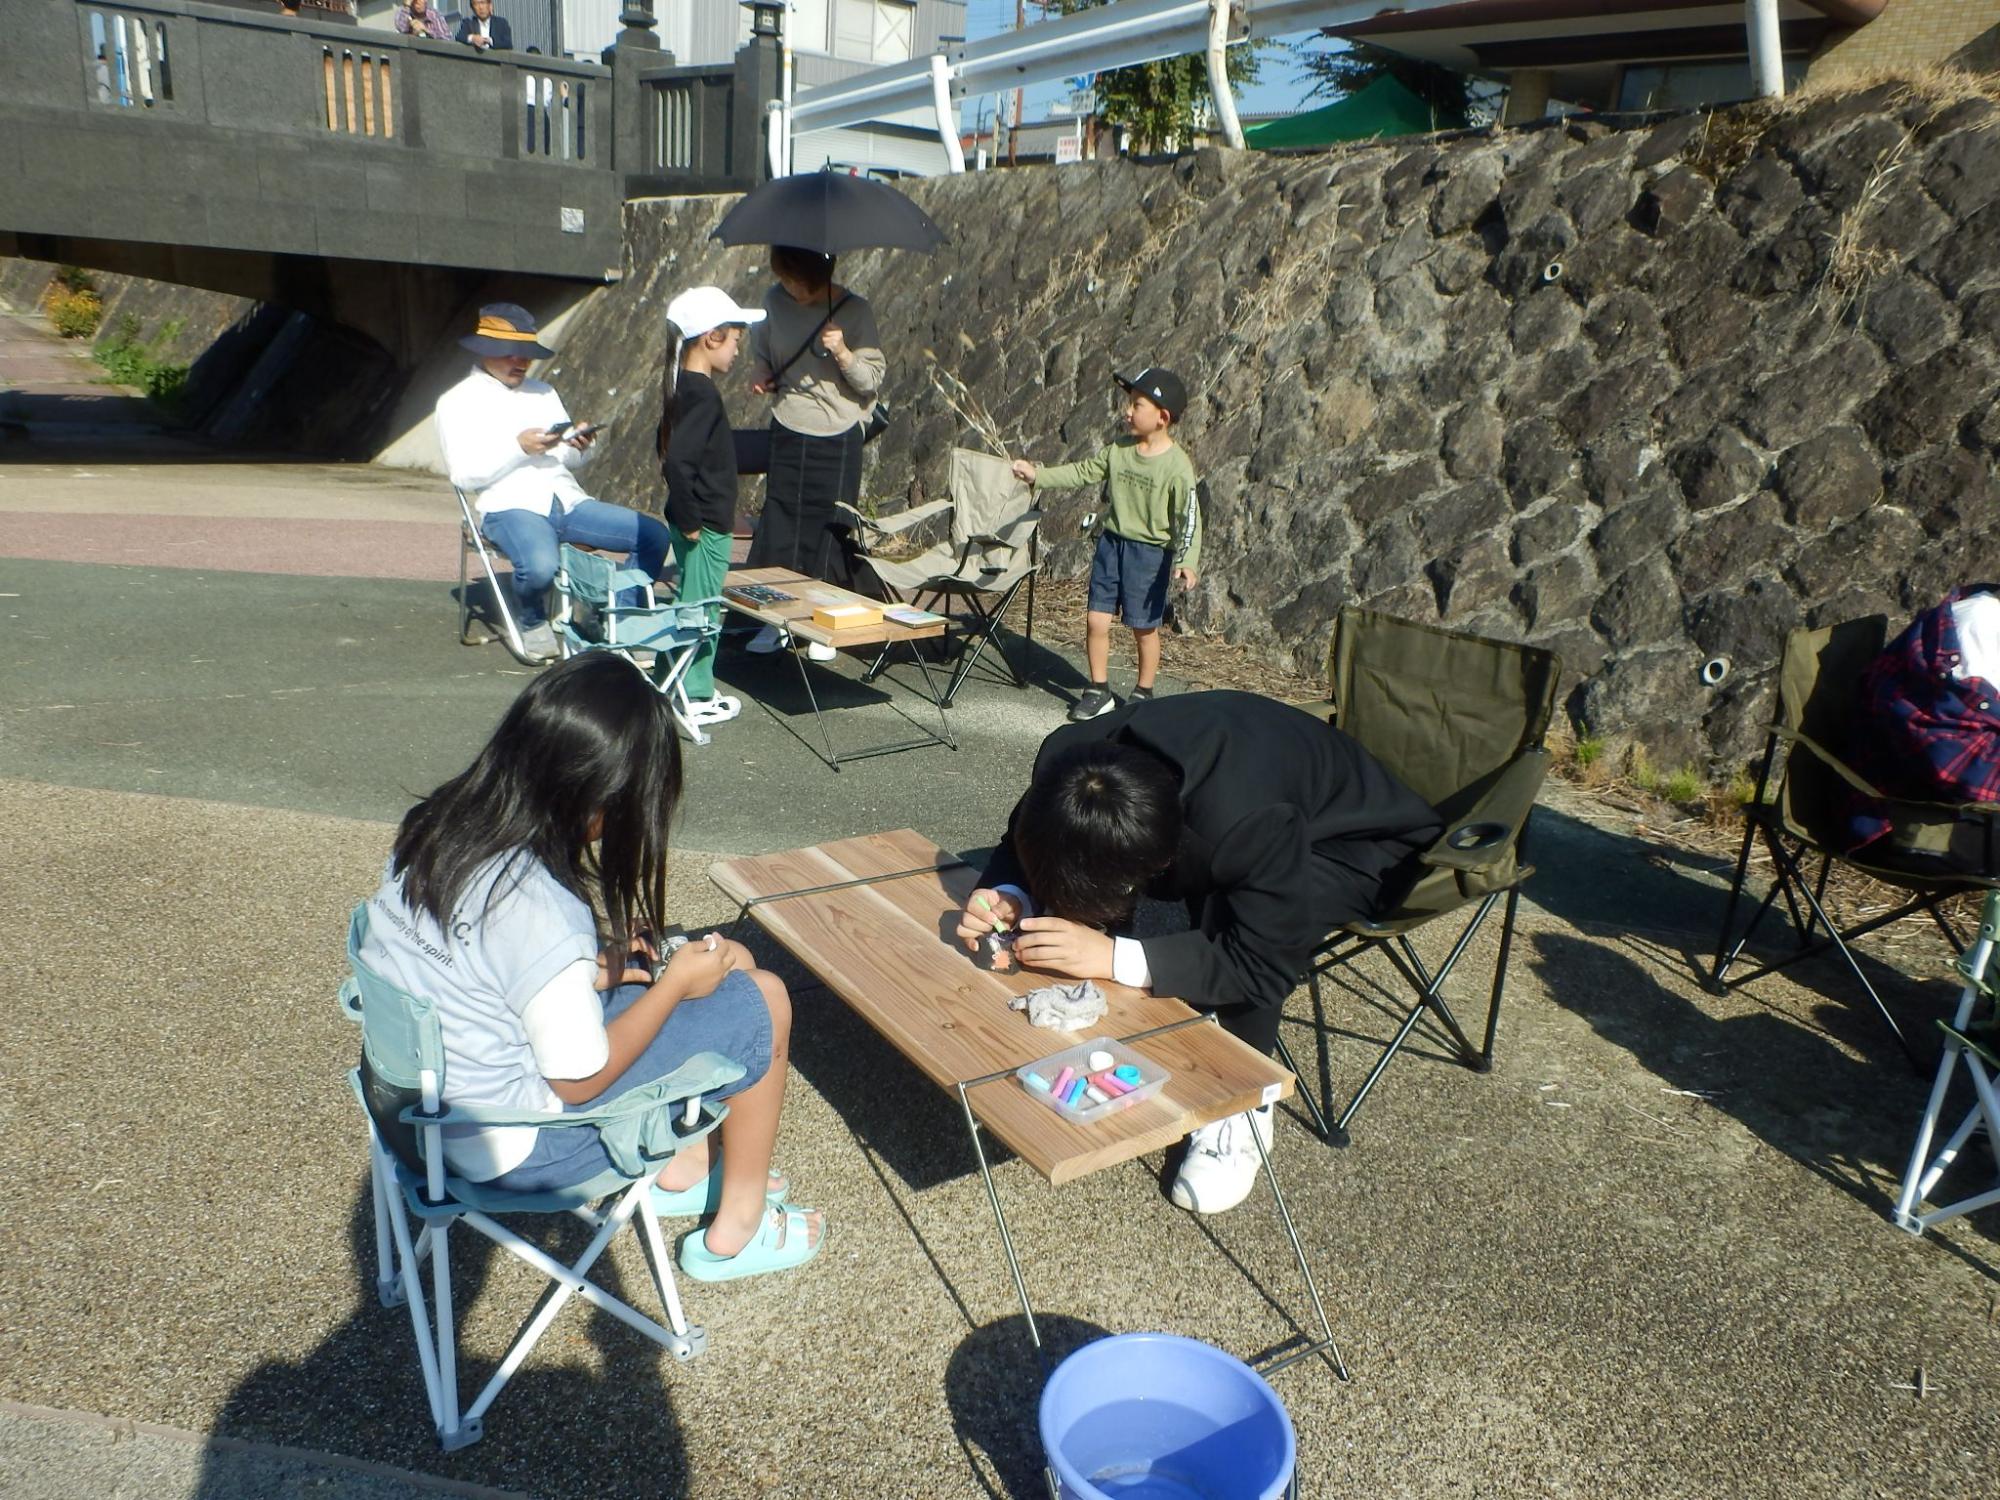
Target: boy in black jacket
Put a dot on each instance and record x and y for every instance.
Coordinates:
(697, 449)
(1273, 827)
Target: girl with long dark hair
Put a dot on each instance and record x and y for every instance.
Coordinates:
(521, 897)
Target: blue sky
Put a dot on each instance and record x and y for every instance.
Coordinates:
(1281, 87)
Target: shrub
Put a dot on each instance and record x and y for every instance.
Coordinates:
(1684, 785)
(74, 312)
(129, 360)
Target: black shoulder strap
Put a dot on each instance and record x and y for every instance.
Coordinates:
(799, 353)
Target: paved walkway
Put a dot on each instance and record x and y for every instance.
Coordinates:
(52, 388)
(1646, 1254)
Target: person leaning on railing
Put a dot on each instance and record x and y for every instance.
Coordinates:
(421, 18)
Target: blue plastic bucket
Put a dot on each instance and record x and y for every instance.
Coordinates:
(1153, 1416)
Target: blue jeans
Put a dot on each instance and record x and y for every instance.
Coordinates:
(530, 542)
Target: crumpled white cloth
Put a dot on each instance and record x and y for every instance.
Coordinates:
(1062, 1007)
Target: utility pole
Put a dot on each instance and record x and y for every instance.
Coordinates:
(1020, 20)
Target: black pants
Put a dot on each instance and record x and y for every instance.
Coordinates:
(1340, 894)
(797, 530)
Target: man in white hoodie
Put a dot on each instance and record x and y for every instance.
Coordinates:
(510, 441)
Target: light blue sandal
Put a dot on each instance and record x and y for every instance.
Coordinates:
(704, 1196)
(783, 1241)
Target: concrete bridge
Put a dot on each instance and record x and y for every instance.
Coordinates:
(359, 176)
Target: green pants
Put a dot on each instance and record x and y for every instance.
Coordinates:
(703, 563)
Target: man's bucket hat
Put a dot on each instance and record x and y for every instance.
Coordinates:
(703, 309)
(1161, 387)
(505, 329)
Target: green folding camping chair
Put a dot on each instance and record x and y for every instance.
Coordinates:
(670, 633)
(1460, 720)
(400, 1083)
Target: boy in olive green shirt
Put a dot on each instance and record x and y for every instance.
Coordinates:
(1152, 535)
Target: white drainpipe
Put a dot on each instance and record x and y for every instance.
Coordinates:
(1767, 59)
(947, 117)
(1218, 74)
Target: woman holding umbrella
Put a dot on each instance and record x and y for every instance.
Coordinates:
(818, 355)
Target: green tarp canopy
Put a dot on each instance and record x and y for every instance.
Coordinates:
(1385, 107)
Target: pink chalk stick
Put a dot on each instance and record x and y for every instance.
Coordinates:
(1061, 1085)
(1111, 1084)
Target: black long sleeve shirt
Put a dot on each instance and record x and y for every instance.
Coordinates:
(1266, 790)
(700, 466)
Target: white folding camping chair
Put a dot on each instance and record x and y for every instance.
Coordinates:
(400, 1083)
(472, 542)
(672, 633)
(1974, 1050)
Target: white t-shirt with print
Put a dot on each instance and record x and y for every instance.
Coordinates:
(511, 977)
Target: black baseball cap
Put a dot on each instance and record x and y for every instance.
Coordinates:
(1161, 387)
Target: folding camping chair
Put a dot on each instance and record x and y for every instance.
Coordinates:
(672, 633)
(1818, 705)
(400, 1083)
(472, 542)
(1460, 720)
(992, 553)
(1969, 1043)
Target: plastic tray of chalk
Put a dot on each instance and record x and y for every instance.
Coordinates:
(1090, 1062)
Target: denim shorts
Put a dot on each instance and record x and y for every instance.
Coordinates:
(1129, 579)
(734, 1021)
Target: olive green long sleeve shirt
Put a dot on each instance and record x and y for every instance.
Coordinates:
(1150, 499)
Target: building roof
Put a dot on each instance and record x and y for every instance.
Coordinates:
(1582, 44)
(1384, 108)
(1489, 36)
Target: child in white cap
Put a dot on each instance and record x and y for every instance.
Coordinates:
(697, 451)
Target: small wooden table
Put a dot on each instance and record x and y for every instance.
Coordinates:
(794, 615)
(870, 917)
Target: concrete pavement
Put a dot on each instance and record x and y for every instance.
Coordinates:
(1647, 1254)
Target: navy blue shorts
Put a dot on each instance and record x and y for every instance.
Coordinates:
(734, 1021)
(1129, 579)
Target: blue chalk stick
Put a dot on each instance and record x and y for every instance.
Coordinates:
(1036, 1082)
(1128, 1074)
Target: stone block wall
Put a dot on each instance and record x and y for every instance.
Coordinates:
(1644, 395)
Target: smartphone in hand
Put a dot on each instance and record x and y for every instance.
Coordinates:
(588, 430)
(559, 429)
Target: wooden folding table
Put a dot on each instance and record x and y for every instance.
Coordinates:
(871, 917)
(794, 615)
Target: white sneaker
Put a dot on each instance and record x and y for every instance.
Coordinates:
(1221, 1163)
(820, 652)
(767, 640)
(538, 643)
(717, 710)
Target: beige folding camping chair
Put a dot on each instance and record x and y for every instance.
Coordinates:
(974, 575)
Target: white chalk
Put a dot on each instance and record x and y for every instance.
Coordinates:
(1100, 1060)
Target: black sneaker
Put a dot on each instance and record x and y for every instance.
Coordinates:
(1095, 701)
(1141, 695)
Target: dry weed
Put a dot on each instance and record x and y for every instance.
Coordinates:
(1851, 261)
(968, 407)
(1939, 85)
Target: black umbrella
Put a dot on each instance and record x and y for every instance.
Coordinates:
(830, 212)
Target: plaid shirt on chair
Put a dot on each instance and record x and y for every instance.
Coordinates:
(1930, 735)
